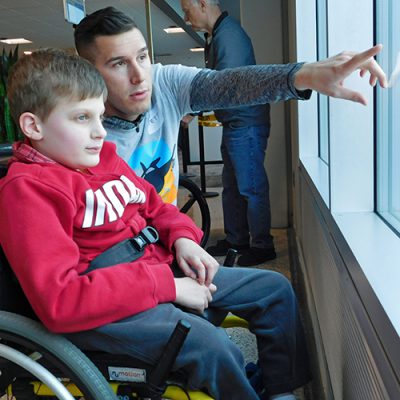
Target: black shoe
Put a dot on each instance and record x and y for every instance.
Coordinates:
(256, 255)
(222, 247)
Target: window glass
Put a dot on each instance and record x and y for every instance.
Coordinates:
(388, 114)
(323, 102)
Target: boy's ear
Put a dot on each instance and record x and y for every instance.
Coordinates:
(30, 125)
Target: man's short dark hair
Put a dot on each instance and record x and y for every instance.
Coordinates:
(104, 22)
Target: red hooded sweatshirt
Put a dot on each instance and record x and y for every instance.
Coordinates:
(55, 220)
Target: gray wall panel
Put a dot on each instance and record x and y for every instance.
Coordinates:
(353, 363)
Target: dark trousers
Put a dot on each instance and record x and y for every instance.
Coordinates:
(209, 358)
(245, 195)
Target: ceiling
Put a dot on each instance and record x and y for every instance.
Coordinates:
(42, 22)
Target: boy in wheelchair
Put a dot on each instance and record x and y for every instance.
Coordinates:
(103, 260)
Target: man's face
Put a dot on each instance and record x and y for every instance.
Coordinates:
(194, 14)
(123, 61)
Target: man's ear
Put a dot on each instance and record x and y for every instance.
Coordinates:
(30, 125)
(203, 5)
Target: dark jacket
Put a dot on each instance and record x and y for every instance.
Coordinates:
(231, 47)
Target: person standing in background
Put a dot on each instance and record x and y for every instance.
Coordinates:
(245, 196)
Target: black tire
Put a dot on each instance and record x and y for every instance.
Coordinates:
(28, 336)
(191, 197)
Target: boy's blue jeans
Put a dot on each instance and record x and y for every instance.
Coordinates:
(209, 359)
(245, 196)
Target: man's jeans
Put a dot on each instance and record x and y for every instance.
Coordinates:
(245, 196)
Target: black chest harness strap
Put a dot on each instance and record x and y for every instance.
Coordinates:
(126, 251)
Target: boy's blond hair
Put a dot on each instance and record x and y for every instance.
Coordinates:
(39, 81)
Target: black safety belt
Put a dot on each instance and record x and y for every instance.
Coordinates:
(126, 251)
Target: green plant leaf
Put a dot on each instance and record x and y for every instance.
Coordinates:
(8, 130)
(8, 122)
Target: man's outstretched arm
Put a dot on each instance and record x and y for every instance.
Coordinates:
(259, 84)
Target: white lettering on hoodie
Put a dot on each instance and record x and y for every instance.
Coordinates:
(105, 201)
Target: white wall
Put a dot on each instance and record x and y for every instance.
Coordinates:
(262, 21)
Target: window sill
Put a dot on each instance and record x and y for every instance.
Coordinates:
(319, 174)
(377, 250)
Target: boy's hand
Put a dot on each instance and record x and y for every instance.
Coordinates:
(192, 295)
(195, 262)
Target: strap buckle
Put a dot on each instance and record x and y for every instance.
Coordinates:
(146, 236)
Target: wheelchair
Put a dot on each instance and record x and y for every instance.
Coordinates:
(37, 364)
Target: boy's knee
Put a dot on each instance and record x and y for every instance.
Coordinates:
(284, 283)
(220, 347)
(275, 288)
(277, 281)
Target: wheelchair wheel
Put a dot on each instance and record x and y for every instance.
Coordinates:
(53, 352)
(192, 202)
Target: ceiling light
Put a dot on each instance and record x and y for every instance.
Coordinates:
(194, 49)
(15, 41)
(174, 29)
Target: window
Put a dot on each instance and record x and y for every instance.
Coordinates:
(323, 102)
(388, 116)
(359, 155)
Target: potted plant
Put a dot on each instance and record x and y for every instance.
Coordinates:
(8, 129)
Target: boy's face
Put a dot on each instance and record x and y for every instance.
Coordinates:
(73, 133)
(123, 61)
